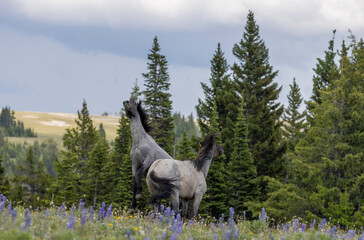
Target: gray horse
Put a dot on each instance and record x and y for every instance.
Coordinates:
(176, 179)
(144, 150)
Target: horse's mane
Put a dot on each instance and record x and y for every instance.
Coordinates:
(202, 155)
(144, 118)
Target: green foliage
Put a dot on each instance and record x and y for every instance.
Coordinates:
(244, 183)
(184, 149)
(184, 125)
(4, 181)
(254, 78)
(102, 133)
(157, 98)
(12, 127)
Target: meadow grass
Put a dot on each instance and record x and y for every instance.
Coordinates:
(53, 125)
(78, 222)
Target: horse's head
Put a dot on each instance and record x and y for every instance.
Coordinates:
(131, 107)
(218, 150)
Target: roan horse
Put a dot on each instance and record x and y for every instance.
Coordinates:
(186, 179)
(144, 150)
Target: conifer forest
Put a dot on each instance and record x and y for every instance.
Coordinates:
(304, 160)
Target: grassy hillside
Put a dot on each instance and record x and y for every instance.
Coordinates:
(53, 125)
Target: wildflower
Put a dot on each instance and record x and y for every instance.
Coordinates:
(81, 205)
(163, 236)
(13, 214)
(227, 235)
(263, 216)
(131, 216)
(118, 218)
(251, 233)
(236, 235)
(47, 212)
(28, 220)
(62, 207)
(173, 237)
(303, 226)
(323, 223)
(126, 218)
(83, 218)
(9, 208)
(162, 208)
(102, 212)
(71, 222)
(108, 212)
(110, 224)
(136, 229)
(52, 217)
(351, 233)
(215, 236)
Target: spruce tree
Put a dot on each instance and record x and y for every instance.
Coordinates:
(243, 180)
(254, 78)
(326, 71)
(101, 131)
(221, 93)
(157, 98)
(294, 122)
(4, 181)
(73, 168)
(184, 148)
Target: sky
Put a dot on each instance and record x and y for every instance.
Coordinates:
(54, 54)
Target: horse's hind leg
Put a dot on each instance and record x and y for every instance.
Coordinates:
(175, 201)
(184, 208)
(138, 180)
(133, 203)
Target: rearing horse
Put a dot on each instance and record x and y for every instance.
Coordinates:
(144, 150)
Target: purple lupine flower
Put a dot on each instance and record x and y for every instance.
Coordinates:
(244, 215)
(2, 206)
(102, 212)
(227, 235)
(13, 214)
(263, 216)
(71, 222)
(351, 233)
(236, 235)
(215, 236)
(63, 214)
(167, 211)
(63, 206)
(91, 216)
(295, 225)
(178, 217)
(313, 224)
(129, 234)
(303, 227)
(83, 218)
(161, 218)
(164, 235)
(323, 223)
(28, 220)
(173, 237)
(231, 212)
(361, 237)
(108, 212)
(9, 208)
(47, 213)
(81, 205)
(73, 207)
(191, 222)
(167, 221)
(162, 208)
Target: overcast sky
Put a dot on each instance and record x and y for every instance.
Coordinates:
(55, 53)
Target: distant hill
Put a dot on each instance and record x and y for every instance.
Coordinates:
(53, 125)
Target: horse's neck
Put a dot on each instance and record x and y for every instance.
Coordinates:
(206, 166)
(137, 130)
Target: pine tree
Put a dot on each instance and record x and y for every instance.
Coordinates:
(222, 94)
(294, 122)
(214, 202)
(254, 77)
(73, 167)
(326, 71)
(102, 133)
(243, 180)
(157, 98)
(4, 181)
(184, 149)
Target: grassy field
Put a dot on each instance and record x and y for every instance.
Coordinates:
(53, 125)
(106, 222)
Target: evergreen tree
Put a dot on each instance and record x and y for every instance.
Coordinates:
(214, 202)
(222, 94)
(4, 181)
(157, 98)
(119, 177)
(136, 90)
(243, 180)
(184, 148)
(254, 78)
(326, 71)
(73, 168)
(294, 122)
(102, 132)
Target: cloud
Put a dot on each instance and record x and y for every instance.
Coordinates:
(40, 74)
(299, 17)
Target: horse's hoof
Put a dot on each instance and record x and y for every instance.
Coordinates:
(139, 195)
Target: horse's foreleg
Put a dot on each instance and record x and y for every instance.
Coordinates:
(133, 202)
(196, 203)
(138, 180)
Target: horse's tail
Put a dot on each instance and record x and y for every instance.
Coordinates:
(164, 186)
